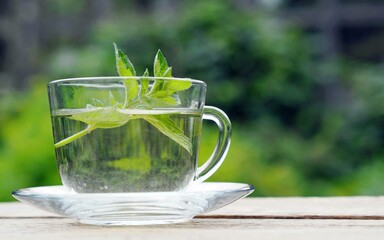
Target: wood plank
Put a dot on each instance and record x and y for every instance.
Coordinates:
(245, 221)
(196, 229)
(21, 210)
(306, 207)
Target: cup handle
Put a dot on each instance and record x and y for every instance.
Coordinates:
(222, 146)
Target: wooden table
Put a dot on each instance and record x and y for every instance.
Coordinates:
(250, 218)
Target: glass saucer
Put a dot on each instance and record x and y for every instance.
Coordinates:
(134, 208)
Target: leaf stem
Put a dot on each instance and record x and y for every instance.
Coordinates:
(74, 137)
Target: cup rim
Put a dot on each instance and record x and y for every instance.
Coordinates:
(122, 77)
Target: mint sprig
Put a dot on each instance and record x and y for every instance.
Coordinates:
(137, 96)
(96, 117)
(163, 91)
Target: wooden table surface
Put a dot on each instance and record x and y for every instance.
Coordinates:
(250, 218)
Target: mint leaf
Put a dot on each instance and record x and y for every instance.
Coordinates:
(168, 72)
(175, 85)
(111, 117)
(123, 64)
(96, 117)
(164, 91)
(170, 100)
(160, 65)
(170, 129)
(125, 68)
(104, 117)
(131, 89)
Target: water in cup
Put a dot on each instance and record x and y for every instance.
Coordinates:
(134, 157)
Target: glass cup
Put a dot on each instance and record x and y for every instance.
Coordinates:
(132, 134)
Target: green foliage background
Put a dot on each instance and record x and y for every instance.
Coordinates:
(300, 126)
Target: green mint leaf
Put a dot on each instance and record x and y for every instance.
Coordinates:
(175, 85)
(165, 96)
(160, 65)
(125, 68)
(123, 64)
(105, 117)
(131, 89)
(168, 72)
(170, 100)
(96, 117)
(161, 94)
(169, 128)
(165, 91)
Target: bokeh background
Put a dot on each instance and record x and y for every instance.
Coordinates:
(301, 80)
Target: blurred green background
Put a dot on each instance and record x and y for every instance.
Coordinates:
(302, 81)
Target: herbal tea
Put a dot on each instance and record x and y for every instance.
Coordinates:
(134, 156)
(132, 133)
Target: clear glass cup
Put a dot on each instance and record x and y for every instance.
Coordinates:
(133, 134)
